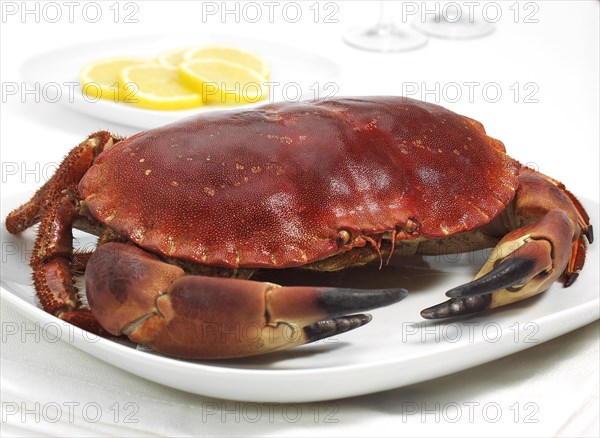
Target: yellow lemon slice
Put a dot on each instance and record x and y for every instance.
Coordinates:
(233, 54)
(172, 58)
(223, 82)
(100, 79)
(155, 86)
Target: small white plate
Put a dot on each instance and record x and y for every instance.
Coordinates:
(297, 74)
(397, 348)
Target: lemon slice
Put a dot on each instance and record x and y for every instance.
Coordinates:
(172, 58)
(100, 79)
(155, 86)
(233, 54)
(223, 82)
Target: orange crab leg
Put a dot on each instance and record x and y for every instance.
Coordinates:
(55, 207)
(52, 270)
(548, 245)
(67, 177)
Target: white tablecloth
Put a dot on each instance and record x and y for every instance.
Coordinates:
(551, 389)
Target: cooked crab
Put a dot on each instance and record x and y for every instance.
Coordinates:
(321, 185)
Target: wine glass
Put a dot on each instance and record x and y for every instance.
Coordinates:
(454, 22)
(385, 36)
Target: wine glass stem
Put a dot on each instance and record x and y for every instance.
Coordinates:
(386, 19)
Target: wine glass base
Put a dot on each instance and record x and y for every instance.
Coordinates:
(390, 40)
(462, 29)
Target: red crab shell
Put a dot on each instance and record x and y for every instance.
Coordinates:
(272, 187)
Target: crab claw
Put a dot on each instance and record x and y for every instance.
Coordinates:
(132, 292)
(517, 276)
(526, 262)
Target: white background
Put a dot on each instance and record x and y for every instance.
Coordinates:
(559, 135)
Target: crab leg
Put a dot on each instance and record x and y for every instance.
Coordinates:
(52, 270)
(55, 207)
(530, 258)
(67, 177)
(154, 303)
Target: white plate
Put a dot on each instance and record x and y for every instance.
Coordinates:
(295, 71)
(397, 348)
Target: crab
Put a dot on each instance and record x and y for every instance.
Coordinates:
(185, 214)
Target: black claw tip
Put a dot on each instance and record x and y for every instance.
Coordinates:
(571, 279)
(589, 233)
(330, 327)
(457, 306)
(341, 301)
(508, 273)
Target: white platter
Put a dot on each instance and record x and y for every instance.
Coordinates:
(298, 74)
(397, 348)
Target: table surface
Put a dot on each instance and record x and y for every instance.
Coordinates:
(548, 51)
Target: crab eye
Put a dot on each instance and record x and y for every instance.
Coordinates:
(411, 225)
(343, 237)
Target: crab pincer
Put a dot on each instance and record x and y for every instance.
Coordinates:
(528, 259)
(155, 304)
